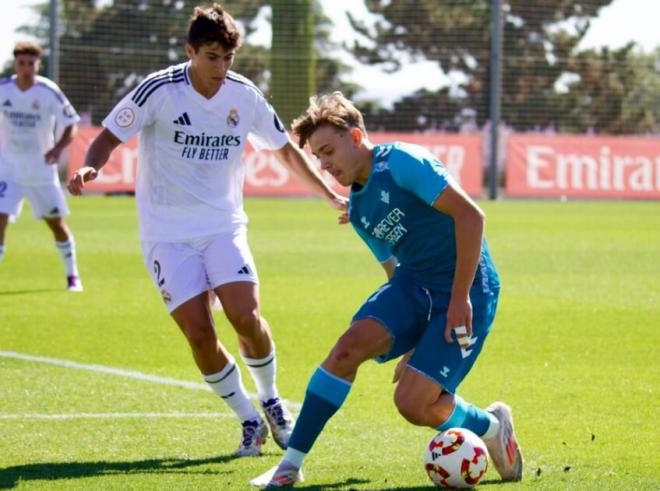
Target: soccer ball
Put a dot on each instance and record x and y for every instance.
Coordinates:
(455, 458)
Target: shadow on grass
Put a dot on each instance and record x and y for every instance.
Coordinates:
(31, 292)
(11, 476)
(355, 481)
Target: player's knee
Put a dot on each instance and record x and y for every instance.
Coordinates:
(344, 357)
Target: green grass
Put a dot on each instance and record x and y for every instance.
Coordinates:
(574, 351)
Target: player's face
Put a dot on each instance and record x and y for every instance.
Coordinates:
(210, 63)
(26, 67)
(337, 150)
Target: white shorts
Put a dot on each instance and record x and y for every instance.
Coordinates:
(46, 200)
(183, 270)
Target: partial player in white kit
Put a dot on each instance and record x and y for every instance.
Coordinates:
(32, 108)
(193, 121)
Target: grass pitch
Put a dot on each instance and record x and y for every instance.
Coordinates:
(574, 351)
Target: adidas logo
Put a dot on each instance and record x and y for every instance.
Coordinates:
(183, 120)
(244, 270)
(54, 211)
(7, 103)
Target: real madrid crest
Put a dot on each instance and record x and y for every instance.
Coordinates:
(232, 118)
(35, 104)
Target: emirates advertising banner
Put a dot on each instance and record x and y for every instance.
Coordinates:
(265, 175)
(583, 166)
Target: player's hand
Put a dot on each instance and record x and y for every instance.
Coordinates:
(79, 178)
(340, 203)
(401, 366)
(459, 320)
(53, 155)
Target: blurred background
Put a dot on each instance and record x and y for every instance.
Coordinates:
(555, 67)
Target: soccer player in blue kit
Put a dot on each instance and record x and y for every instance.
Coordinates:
(438, 304)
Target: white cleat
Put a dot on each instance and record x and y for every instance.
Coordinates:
(254, 435)
(503, 447)
(73, 284)
(278, 478)
(279, 419)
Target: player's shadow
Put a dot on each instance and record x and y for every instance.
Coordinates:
(12, 476)
(355, 481)
(29, 292)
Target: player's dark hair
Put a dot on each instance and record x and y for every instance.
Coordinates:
(331, 109)
(210, 25)
(27, 48)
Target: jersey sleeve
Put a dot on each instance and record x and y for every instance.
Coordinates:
(128, 117)
(416, 170)
(381, 250)
(65, 114)
(267, 131)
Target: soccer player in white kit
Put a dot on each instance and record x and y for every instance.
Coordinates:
(194, 120)
(32, 107)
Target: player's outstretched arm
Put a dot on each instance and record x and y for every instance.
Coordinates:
(97, 156)
(300, 164)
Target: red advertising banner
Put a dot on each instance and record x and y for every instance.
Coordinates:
(583, 166)
(267, 176)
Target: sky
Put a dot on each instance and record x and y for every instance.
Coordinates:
(618, 23)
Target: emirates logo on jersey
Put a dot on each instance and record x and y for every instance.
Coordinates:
(232, 118)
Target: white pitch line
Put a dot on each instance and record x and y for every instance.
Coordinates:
(148, 377)
(113, 415)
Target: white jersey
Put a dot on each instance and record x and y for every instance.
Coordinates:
(190, 174)
(28, 121)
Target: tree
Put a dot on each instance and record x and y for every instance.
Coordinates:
(107, 48)
(540, 38)
(614, 92)
(292, 56)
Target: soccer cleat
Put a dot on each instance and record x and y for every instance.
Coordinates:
(503, 447)
(254, 435)
(279, 419)
(73, 284)
(278, 478)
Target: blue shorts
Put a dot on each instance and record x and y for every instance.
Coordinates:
(416, 318)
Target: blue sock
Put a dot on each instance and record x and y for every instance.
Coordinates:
(324, 396)
(466, 415)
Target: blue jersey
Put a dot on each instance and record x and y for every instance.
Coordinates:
(393, 214)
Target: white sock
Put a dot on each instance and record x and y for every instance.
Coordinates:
(293, 457)
(493, 427)
(2, 251)
(263, 374)
(228, 385)
(67, 250)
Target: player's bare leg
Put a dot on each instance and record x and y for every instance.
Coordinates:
(4, 220)
(240, 301)
(67, 249)
(422, 402)
(365, 339)
(220, 370)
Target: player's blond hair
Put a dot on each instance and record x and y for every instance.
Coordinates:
(328, 109)
(27, 48)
